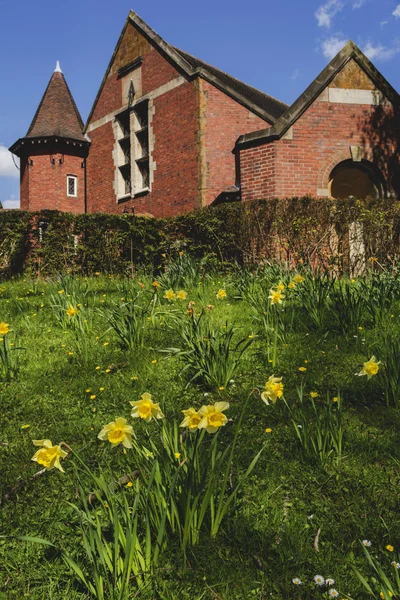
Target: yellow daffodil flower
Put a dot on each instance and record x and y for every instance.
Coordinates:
(72, 311)
(212, 416)
(192, 419)
(117, 432)
(221, 294)
(276, 297)
(370, 368)
(48, 455)
(298, 278)
(291, 285)
(146, 409)
(181, 295)
(280, 286)
(170, 295)
(273, 390)
(4, 329)
(155, 284)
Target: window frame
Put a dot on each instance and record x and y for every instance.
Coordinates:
(75, 180)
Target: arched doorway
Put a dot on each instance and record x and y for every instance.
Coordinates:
(357, 179)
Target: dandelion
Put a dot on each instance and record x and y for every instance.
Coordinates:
(297, 581)
(25, 426)
(389, 548)
(291, 285)
(273, 390)
(107, 371)
(314, 394)
(60, 292)
(302, 369)
(367, 543)
(329, 581)
(335, 399)
(48, 456)
(93, 396)
(181, 253)
(221, 294)
(319, 580)
(276, 297)
(221, 388)
(117, 432)
(153, 362)
(177, 454)
(88, 390)
(382, 595)
(101, 389)
(268, 430)
(370, 368)
(98, 368)
(333, 593)
(181, 295)
(212, 417)
(106, 343)
(155, 284)
(170, 295)
(72, 311)
(129, 484)
(298, 278)
(4, 329)
(146, 409)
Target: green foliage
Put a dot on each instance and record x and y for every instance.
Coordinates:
(319, 232)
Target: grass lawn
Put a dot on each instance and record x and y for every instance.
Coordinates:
(326, 479)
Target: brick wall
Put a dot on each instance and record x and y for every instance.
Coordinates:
(322, 137)
(225, 121)
(44, 185)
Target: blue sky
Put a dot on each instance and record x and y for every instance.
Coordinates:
(278, 47)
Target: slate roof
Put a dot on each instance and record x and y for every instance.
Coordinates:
(268, 104)
(350, 51)
(57, 114)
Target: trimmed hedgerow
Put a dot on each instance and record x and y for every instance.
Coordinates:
(320, 232)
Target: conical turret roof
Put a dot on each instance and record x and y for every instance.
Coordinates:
(57, 114)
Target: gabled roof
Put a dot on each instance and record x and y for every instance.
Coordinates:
(267, 107)
(57, 114)
(349, 52)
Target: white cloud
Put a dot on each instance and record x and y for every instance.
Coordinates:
(396, 12)
(383, 23)
(358, 3)
(295, 74)
(325, 13)
(12, 202)
(331, 46)
(379, 52)
(7, 167)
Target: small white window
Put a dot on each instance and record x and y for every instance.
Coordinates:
(72, 186)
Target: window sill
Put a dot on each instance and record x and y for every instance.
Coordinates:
(123, 198)
(142, 192)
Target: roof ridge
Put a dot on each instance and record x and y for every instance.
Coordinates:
(231, 76)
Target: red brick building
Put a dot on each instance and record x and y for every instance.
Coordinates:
(168, 133)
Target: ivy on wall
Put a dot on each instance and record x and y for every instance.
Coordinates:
(316, 231)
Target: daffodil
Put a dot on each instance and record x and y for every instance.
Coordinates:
(117, 432)
(181, 295)
(273, 390)
(146, 409)
(221, 294)
(212, 416)
(276, 297)
(170, 295)
(48, 456)
(155, 284)
(370, 368)
(72, 311)
(4, 328)
(291, 285)
(280, 286)
(192, 419)
(298, 278)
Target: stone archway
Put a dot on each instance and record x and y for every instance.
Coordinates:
(357, 179)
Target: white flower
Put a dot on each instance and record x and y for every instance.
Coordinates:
(367, 543)
(310, 517)
(319, 580)
(329, 581)
(395, 564)
(297, 581)
(333, 593)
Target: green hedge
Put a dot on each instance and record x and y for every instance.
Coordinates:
(316, 231)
